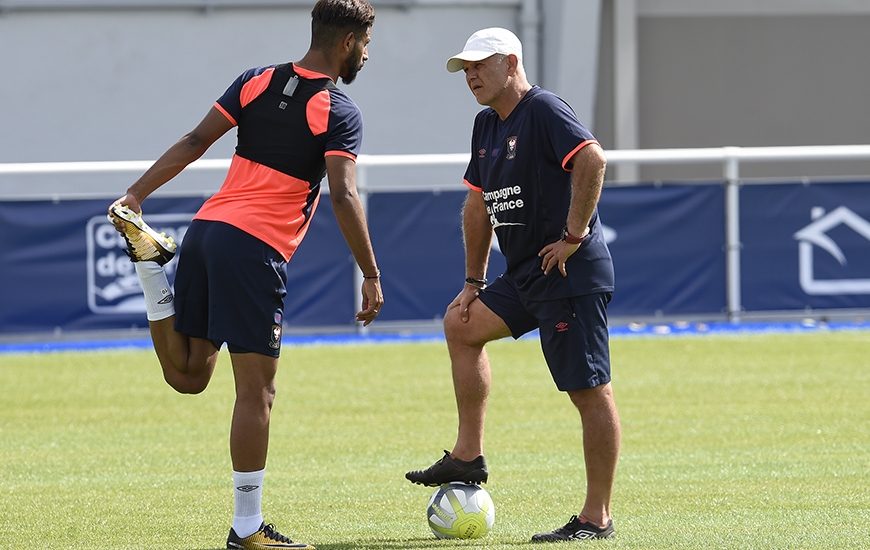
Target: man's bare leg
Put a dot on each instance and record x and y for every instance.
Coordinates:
(601, 441)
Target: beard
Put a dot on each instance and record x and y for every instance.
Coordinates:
(354, 64)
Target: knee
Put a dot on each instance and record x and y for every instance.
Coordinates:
(457, 331)
(449, 323)
(187, 386)
(593, 398)
(259, 396)
(269, 396)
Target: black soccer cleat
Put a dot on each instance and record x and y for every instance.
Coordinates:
(451, 469)
(576, 529)
(266, 538)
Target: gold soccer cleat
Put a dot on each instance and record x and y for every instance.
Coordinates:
(265, 538)
(143, 243)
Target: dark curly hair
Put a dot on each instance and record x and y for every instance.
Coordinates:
(331, 20)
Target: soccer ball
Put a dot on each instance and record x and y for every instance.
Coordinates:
(460, 511)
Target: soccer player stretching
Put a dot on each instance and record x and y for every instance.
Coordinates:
(294, 126)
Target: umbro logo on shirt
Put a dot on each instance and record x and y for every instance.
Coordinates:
(510, 150)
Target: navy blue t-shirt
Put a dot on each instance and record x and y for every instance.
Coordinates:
(522, 167)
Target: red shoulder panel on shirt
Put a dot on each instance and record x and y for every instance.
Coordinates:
(317, 112)
(256, 86)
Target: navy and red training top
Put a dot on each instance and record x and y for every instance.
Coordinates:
(273, 184)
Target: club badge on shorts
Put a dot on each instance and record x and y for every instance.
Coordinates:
(275, 340)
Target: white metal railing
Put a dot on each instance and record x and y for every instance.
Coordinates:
(99, 167)
(730, 158)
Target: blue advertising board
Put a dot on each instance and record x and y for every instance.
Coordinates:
(667, 243)
(62, 266)
(805, 247)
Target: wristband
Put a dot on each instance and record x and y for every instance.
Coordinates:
(375, 276)
(569, 238)
(473, 281)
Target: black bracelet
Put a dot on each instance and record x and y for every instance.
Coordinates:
(376, 276)
(473, 281)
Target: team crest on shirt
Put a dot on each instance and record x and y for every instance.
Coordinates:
(511, 148)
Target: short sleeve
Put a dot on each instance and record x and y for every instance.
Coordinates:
(472, 178)
(345, 129)
(567, 135)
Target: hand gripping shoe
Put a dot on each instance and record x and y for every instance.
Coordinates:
(143, 243)
(576, 529)
(451, 469)
(265, 538)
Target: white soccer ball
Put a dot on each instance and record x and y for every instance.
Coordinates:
(460, 511)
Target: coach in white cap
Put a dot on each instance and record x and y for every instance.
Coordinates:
(534, 180)
(485, 43)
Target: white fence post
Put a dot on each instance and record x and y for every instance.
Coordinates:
(732, 234)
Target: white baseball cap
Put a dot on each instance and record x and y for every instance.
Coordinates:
(484, 43)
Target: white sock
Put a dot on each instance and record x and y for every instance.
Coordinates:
(159, 301)
(248, 490)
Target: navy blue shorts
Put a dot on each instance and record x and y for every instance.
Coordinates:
(230, 287)
(574, 335)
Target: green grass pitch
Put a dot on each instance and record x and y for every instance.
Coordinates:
(728, 442)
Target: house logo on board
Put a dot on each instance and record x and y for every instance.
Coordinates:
(816, 235)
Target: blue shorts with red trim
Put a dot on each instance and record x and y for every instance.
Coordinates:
(574, 335)
(230, 287)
